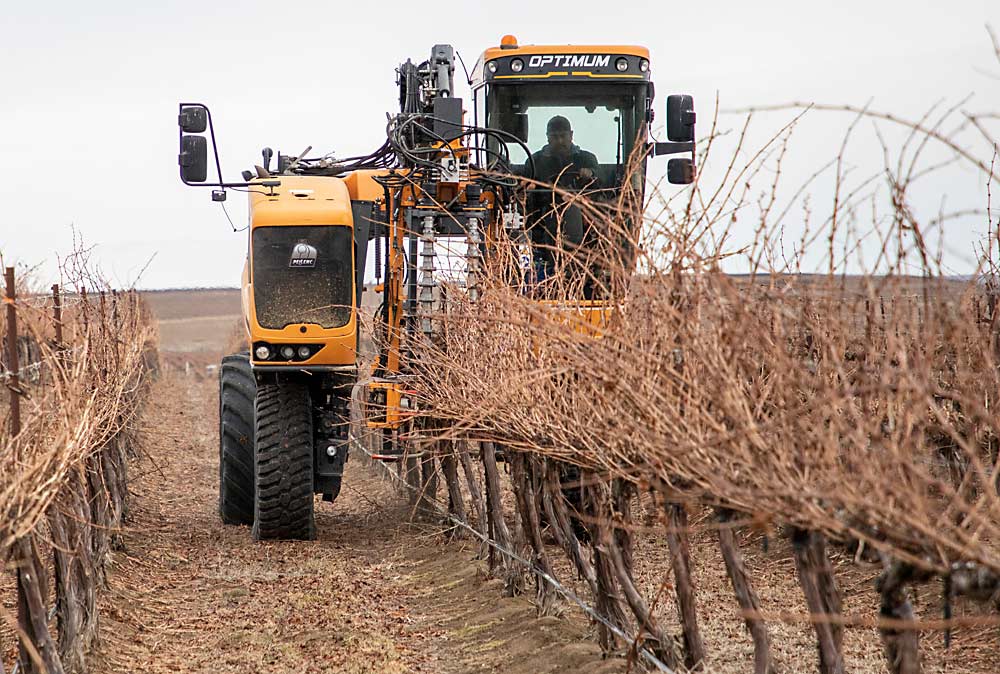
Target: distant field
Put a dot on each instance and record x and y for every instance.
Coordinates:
(172, 304)
(195, 320)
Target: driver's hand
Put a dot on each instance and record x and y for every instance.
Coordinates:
(586, 174)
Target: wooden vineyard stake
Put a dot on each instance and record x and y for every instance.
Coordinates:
(12, 365)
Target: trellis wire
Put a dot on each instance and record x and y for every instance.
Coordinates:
(7, 374)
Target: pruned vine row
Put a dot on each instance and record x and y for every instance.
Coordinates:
(64, 492)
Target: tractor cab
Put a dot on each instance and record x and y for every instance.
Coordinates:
(574, 120)
(603, 93)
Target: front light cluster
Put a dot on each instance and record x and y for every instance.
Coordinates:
(284, 352)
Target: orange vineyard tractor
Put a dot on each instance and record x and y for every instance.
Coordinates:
(544, 120)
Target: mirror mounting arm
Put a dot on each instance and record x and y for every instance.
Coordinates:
(659, 149)
(679, 171)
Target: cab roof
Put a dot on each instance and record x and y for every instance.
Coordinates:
(530, 49)
(548, 57)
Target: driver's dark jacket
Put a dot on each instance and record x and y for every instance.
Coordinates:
(547, 230)
(548, 166)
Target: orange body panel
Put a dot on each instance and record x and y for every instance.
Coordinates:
(362, 186)
(394, 413)
(587, 317)
(302, 200)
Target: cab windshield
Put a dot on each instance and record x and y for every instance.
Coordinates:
(605, 120)
(580, 136)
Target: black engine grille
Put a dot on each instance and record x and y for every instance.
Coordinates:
(287, 292)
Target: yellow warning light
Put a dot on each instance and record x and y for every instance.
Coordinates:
(508, 42)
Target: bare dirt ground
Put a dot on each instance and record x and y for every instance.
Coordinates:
(374, 593)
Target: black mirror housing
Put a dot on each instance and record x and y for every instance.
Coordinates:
(680, 171)
(193, 119)
(193, 159)
(680, 118)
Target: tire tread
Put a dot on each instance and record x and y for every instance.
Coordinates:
(236, 439)
(284, 463)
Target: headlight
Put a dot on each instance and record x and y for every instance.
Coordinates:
(287, 352)
(262, 352)
(492, 66)
(643, 65)
(621, 64)
(304, 352)
(517, 65)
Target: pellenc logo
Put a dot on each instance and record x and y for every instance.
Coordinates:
(569, 61)
(303, 256)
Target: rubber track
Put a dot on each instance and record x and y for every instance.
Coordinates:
(284, 462)
(237, 391)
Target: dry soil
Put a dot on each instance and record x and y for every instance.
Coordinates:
(374, 593)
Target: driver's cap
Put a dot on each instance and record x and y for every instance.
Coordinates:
(558, 124)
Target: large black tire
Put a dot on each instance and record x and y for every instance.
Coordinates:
(237, 391)
(283, 499)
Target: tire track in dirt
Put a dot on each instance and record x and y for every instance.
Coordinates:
(374, 593)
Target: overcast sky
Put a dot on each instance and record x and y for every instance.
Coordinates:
(88, 113)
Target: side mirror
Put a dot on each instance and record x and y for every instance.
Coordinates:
(193, 159)
(680, 171)
(680, 118)
(519, 126)
(192, 119)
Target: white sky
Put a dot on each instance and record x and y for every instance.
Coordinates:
(88, 111)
